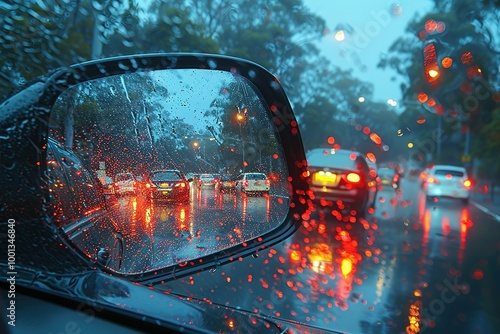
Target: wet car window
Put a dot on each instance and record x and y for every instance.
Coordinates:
(340, 159)
(166, 175)
(448, 172)
(154, 169)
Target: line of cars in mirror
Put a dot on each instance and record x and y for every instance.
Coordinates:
(173, 184)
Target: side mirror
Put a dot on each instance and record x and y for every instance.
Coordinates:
(161, 115)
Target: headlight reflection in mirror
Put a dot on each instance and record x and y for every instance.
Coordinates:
(152, 169)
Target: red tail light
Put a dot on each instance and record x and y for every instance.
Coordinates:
(467, 183)
(245, 184)
(353, 177)
(268, 182)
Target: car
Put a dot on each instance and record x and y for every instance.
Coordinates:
(226, 183)
(125, 183)
(389, 177)
(340, 175)
(108, 186)
(207, 180)
(169, 184)
(374, 181)
(448, 181)
(253, 183)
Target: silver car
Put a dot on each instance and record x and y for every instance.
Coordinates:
(448, 181)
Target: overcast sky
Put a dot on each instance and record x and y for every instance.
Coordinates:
(375, 28)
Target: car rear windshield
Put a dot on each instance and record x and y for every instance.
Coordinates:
(256, 177)
(167, 175)
(450, 172)
(332, 158)
(207, 177)
(124, 177)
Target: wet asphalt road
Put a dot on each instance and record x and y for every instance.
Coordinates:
(411, 266)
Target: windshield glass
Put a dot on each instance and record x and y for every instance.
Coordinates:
(448, 172)
(331, 157)
(403, 84)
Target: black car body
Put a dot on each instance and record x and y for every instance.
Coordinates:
(169, 184)
(226, 183)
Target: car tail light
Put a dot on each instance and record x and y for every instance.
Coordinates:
(148, 185)
(268, 182)
(180, 184)
(467, 183)
(245, 184)
(353, 177)
(433, 180)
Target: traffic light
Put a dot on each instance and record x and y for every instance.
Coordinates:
(431, 68)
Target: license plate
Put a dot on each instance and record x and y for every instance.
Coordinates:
(325, 178)
(164, 185)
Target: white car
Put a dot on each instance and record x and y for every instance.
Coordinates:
(448, 181)
(253, 183)
(125, 184)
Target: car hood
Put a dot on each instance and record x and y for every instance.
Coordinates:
(147, 304)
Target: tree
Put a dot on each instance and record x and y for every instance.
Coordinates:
(460, 89)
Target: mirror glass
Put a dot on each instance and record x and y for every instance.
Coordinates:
(157, 168)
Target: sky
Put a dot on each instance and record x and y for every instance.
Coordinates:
(375, 28)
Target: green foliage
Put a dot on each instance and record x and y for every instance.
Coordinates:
(464, 92)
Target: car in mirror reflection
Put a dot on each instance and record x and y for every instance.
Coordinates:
(253, 183)
(169, 184)
(125, 183)
(226, 183)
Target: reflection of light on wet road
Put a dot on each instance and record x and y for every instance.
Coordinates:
(149, 214)
(464, 225)
(427, 227)
(346, 267)
(414, 319)
(383, 273)
(244, 207)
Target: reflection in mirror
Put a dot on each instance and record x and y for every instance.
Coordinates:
(147, 170)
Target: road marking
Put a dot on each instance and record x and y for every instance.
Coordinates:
(480, 207)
